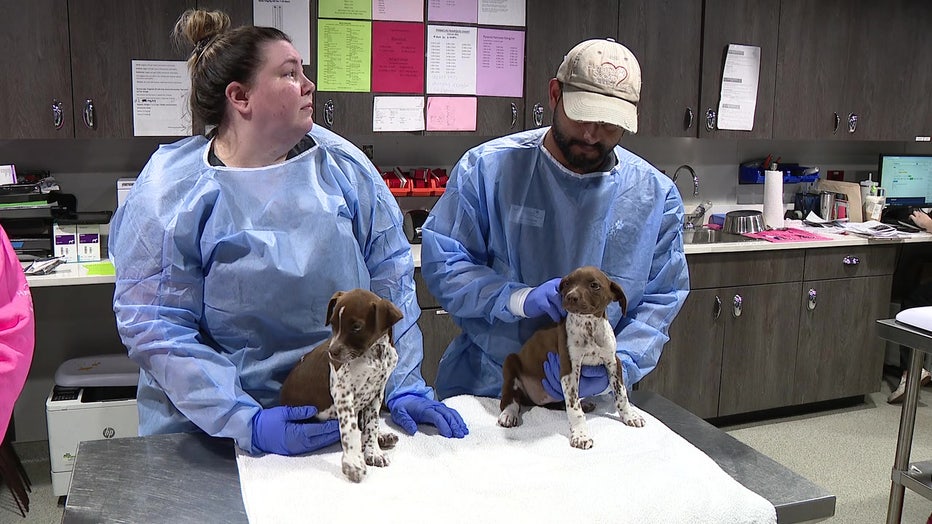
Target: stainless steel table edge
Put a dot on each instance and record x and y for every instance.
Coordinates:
(190, 477)
(921, 342)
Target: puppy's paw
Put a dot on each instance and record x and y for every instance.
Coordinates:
(632, 418)
(387, 440)
(379, 460)
(587, 405)
(580, 440)
(354, 470)
(508, 419)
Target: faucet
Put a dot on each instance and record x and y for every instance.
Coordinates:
(691, 172)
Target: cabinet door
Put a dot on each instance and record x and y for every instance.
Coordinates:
(759, 355)
(745, 22)
(106, 37)
(553, 28)
(346, 114)
(813, 64)
(439, 330)
(669, 105)
(839, 352)
(891, 90)
(690, 368)
(37, 70)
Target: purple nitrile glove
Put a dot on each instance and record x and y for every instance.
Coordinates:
(545, 299)
(592, 381)
(277, 430)
(410, 410)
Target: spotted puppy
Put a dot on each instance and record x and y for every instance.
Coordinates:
(345, 376)
(584, 337)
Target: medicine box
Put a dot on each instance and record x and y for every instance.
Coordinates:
(65, 241)
(123, 187)
(88, 242)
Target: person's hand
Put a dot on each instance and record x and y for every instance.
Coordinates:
(410, 410)
(592, 381)
(545, 299)
(278, 430)
(922, 220)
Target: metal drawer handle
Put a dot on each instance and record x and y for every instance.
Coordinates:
(538, 115)
(811, 304)
(514, 115)
(328, 113)
(89, 113)
(440, 312)
(717, 308)
(737, 303)
(837, 121)
(710, 119)
(58, 114)
(690, 117)
(852, 122)
(851, 261)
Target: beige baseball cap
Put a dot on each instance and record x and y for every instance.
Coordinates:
(601, 83)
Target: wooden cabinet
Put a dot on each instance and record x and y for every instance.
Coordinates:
(665, 36)
(839, 353)
(437, 327)
(105, 38)
(553, 28)
(867, 65)
(37, 70)
(750, 338)
(745, 22)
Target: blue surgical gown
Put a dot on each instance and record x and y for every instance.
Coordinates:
(223, 276)
(512, 217)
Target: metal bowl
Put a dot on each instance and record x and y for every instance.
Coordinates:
(743, 221)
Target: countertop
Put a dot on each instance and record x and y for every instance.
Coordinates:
(194, 478)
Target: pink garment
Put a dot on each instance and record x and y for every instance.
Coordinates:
(17, 330)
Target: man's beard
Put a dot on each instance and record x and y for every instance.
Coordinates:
(579, 162)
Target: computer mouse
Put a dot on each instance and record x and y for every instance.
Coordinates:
(917, 317)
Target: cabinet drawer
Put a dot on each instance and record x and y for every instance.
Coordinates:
(710, 270)
(853, 261)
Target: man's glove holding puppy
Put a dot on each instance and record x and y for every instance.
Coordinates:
(410, 410)
(593, 380)
(545, 299)
(279, 430)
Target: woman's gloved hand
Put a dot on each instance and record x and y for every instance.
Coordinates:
(545, 299)
(593, 380)
(279, 430)
(410, 410)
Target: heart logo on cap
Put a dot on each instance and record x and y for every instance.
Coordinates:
(608, 73)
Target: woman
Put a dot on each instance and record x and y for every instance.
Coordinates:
(230, 246)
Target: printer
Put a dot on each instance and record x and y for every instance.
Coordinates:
(93, 398)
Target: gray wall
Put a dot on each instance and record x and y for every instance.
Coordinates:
(78, 320)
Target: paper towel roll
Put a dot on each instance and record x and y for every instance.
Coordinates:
(773, 199)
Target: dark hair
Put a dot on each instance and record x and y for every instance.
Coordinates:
(221, 55)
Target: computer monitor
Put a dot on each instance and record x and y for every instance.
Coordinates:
(907, 179)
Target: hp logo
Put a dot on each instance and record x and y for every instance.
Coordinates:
(108, 432)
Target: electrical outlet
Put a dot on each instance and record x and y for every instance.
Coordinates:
(368, 150)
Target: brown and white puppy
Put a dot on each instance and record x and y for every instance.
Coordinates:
(584, 337)
(345, 376)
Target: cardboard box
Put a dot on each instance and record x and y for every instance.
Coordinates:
(88, 242)
(65, 241)
(123, 187)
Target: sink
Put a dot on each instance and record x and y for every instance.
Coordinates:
(705, 235)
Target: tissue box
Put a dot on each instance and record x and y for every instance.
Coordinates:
(88, 242)
(65, 241)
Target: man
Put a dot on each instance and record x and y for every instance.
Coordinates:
(524, 210)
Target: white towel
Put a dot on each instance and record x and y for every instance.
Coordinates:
(524, 474)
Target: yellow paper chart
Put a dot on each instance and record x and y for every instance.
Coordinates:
(344, 56)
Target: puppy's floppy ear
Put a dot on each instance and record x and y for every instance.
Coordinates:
(333, 303)
(387, 314)
(619, 296)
